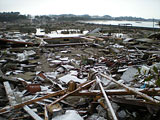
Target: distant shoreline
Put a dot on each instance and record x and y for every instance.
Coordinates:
(128, 24)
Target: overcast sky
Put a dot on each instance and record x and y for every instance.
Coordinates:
(136, 8)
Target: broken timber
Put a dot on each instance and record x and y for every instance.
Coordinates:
(10, 94)
(133, 102)
(131, 89)
(72, 92)
(107, 100)
(61, 92)
(68, 44)
(150, 91)
(45, 113)
(32, 113)
(6, 109)
(154, 91)
(15, 42)
(12, 101)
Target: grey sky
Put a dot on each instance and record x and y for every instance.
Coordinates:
(137, 8)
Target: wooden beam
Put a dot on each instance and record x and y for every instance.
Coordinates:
(107, 100)
(10, 94)
(12, 101)
(7, 109)
(32, 113)
(137, 103)
(150, 91)
(46, 113)
(72, 92)
(154, 101)
(67, 44)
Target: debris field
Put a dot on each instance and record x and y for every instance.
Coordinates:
(111, 76)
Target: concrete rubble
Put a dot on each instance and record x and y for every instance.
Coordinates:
(99, 76)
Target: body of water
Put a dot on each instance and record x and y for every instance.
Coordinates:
(133, 23)
(59, 33)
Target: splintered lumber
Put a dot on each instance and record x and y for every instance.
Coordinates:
(6, 78)
(32, 113)
(72, 92)
(25, 117)
(54, 83)
(67, 44)
(6, 109)
(10, 94)
(107, 100)
(45, 113)
(64, 102)
(134, 102)
(58, 93)
(131, 89)
(16, 42)
(12, 101)
(150, 91)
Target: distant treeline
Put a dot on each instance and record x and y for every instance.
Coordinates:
(72, 17)
(11, 16)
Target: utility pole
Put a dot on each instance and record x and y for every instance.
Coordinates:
(153, 26)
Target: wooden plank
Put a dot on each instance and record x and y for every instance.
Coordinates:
(32, 113)
(145, 96)
(148, 91)
(46, 113)
(12, 101)
(10, 94)
(67, 44)
(72, 92)
(6, 109)
(107, 100)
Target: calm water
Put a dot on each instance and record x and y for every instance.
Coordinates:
(134, 23)
(58, 33)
